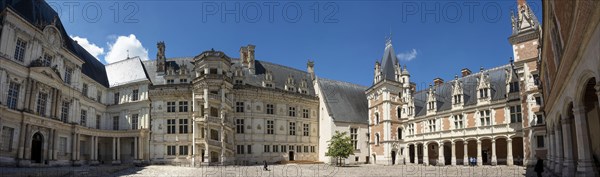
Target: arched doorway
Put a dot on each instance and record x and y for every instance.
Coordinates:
(411, 153)
(291, 155)
(36, 147)
(393, 157)
(517, 150)
(592, 113)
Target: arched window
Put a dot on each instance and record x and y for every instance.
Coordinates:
(376, 118)
(398, 112)
(376, 138)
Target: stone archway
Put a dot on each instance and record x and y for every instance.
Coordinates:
(592, 114)
(37, 143)
(501, 151)
(433, 153)
(517, 150)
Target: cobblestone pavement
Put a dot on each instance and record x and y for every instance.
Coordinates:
(274, 170)
(325, 170)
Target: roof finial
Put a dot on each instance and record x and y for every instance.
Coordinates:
(388, 39)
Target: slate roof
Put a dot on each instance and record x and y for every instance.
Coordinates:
(443, 92)
(389, 62)
(40, 14)
(280, 73)
(346, 102)
(126, 71)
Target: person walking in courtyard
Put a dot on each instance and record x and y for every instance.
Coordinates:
(265, 168)
(539, 167)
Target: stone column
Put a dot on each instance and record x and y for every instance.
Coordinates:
(114, 150)
(568, 168)
(425, 154)
(78, 146)
(21, 145)
(494, 158)
(509, 155)
(49, 144)
(54, 139)
(453, 158)
(585, 164)
(441, 160)
(135, 148)
(92, 148)
(466, 153)
(557, 143)
(551, 150)
(479, 158)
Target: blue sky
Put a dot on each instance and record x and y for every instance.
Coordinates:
(344, 38)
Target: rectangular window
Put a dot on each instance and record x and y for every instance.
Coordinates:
(47, 60)
(64, 112)
(432, 125)
(484, 118)
(99, 96)
(515, 114)
(170, 126)
(354, 137)
(239, 126)
(539, 119)
(84, 90)
(291, 148)
(170, 150)
(183, 150)
(275, 148)
(411, 129)
(267, 148)
(514, 87)
(183, 106)
(63, 145)
(305, 113)
(299, 148)
(116, 123)
(83, 119)
(41, 104)
(305, 148)
(292, 111)
(116, 98)
(134, 121)
(183, 126)
(538, 100)
(239, 106)
(292, 128)
(312, 149)
(270, 127)
(283, 148)
(170, 81)
(98, 121)
(240, 149)
(540, 141)
(214, 134)
(306, 129)
(20, 50)
(458, 121)
(13, 95)
(249, 147)
(270, 109)
(68, 75)
(182, 81)
(135, 95)
(171, 106)
(7, 138)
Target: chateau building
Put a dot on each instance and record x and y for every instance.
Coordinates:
(493, 115)
(570, 77)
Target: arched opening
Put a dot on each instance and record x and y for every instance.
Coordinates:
(398, 112)
(448, 153)
(376, 138)
(399, 133)
(432, 153)
(291, 156)
(36, 147)
(411, 153)
(592, 113)
(486, 151)
(376, 118)
(517, 150)
(501, 151)
(393, 157)
(460, 152)
(472, 149)
(419, 154)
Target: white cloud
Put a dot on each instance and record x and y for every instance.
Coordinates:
(125, 46)
(90, 47)
(407, 56)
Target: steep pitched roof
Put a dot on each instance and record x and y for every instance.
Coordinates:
(388, 63)
(443, 92)
(346, 102)
(280, 74)
(40, 14)
(126, 71)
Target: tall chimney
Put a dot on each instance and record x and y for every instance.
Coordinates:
(465, 72)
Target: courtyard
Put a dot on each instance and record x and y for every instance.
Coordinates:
(274, 170)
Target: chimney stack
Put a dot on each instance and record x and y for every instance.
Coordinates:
(465, 72)
(438, 81)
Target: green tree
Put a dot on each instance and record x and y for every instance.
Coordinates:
(340, 147)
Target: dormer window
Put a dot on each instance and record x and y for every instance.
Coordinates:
(483, 88)
(513, 87)
(457, 99)
(431, 105)
(483, 93)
